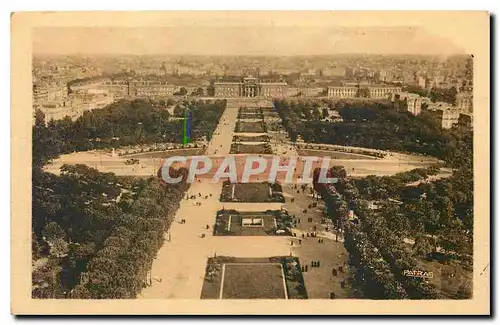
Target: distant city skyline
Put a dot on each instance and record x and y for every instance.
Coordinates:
(257, 40)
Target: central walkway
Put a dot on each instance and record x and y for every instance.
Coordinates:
(178, 271)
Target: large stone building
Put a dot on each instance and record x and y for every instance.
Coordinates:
(408, 102)
(382, 91)
(353, 90)
(49, 93)
(250, 87)
(118, 88)
(74, 106)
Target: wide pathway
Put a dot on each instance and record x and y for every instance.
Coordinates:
(178, 271)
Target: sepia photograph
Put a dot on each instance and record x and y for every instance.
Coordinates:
(257, 162)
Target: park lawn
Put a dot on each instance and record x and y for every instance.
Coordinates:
(258, 138)
(253, 278)
(252, 192)
(273, 220)
(239, 148)
(248, 115)
(256, 192)
(250, 127)
(253, 281)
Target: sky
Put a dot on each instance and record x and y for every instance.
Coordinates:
(247, 35)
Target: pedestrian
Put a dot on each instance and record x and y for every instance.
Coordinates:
(300, 241)
(334, 272)
(303, 236)
(319, 241)
(306, 267)
(208, 227)
(317, 264)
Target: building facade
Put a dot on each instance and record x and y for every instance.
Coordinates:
(343, 92)
(347, 90)
(450, 118)
(74, 106)
(249, 88)
(408, 102)
(382, 91)
(44, 94)
(116, 88)
(152, 89)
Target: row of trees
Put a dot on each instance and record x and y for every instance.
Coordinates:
(125, 122)
(97, 232)
(371, 272)
(392, 248)
(385, 228)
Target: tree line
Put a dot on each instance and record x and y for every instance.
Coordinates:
(96, 234)
(125, 122)
(376, 125)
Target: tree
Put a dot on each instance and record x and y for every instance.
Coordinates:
(423, 246)
(52, 231)
(182, 92)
